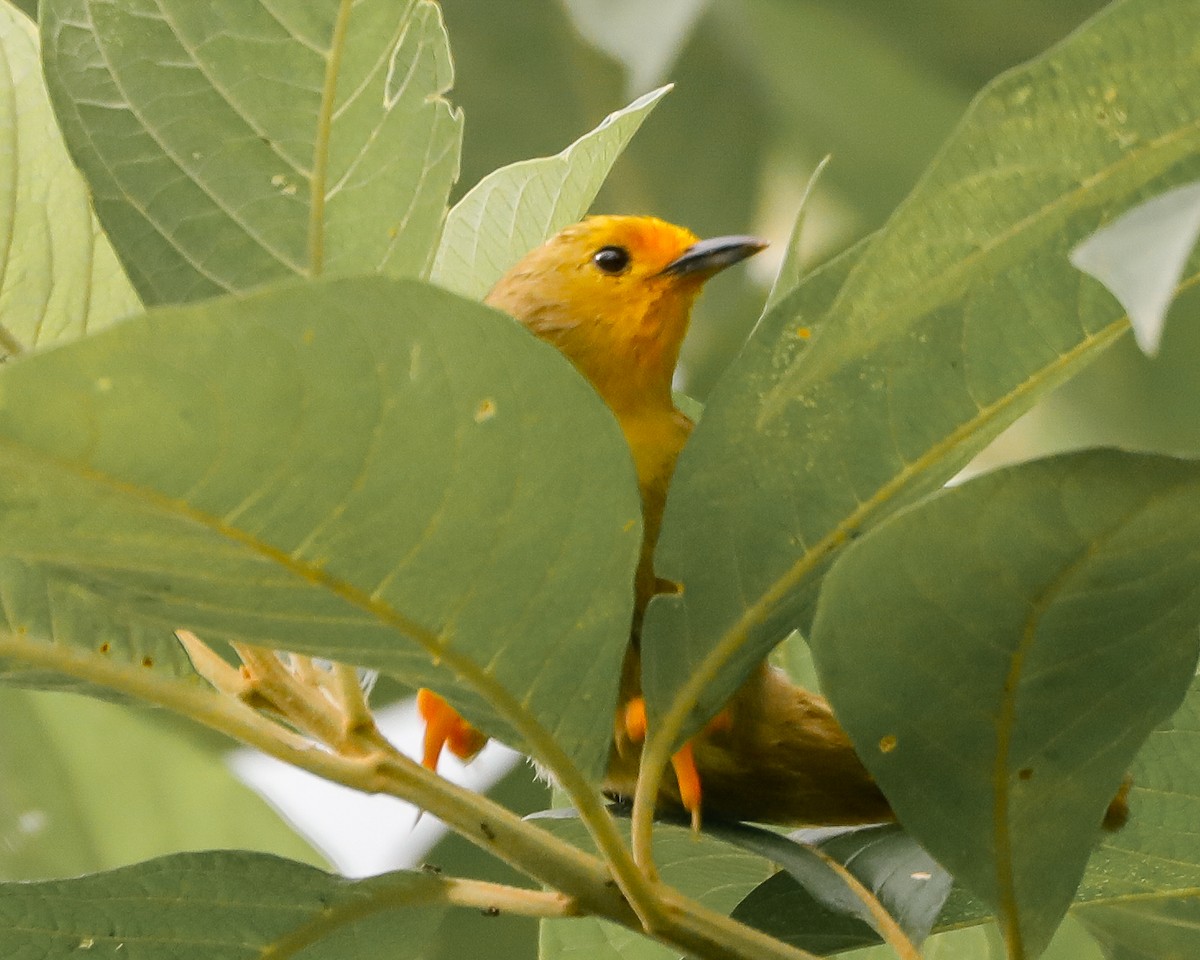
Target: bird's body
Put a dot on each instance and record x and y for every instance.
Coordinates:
(614, 295)
(623, 331)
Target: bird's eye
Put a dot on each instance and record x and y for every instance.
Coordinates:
(611, 259)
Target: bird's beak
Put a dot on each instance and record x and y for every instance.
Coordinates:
(709, 256)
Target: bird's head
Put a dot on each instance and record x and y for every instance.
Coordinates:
(614, 294)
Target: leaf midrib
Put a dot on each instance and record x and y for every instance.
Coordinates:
(321, 141)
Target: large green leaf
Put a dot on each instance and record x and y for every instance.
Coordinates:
(810, 906)
(87, 786)
(59, 278)
(220, 906)
(514, 209)
(998, 654)
(1140, 890)
(372, 470)
(952, 321)
(232, 144)
(1139, 885)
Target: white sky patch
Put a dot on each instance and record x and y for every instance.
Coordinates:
(364, 835)
(1140, 258)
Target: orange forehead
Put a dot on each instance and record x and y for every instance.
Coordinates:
(649, 240)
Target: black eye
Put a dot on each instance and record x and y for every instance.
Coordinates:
(611, 259)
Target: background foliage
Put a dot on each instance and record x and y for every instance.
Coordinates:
(764, 89)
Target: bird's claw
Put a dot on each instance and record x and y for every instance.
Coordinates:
(683, 762)
(445, 727)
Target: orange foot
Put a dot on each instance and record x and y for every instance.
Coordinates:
(445, 727)
(683, 762)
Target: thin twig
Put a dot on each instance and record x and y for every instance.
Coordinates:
(347, 688)
(305, 670)
(651, 768)
(498, 898)
(212, 666)
(884, 923)
(305, 707)
(681, 923)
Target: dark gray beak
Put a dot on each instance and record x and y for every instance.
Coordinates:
(709, 256)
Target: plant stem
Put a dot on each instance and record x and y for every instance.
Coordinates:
(641, 817)
(350, 695)
(501, 898)
(885, 924)
(212, 667)
(303, 706)
(305, 669)
(676, 920)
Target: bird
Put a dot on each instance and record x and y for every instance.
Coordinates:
(614, 295)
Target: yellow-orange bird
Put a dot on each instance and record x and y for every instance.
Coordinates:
(615, 295)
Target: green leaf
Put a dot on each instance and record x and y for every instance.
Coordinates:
(1138, 879)
(1140, 888)
(29, 7)
(1165, 927)
(234, 145)
(44, 602)
(998, 654)
(59, 278)
(1141, 257)
(220, 906)
(1143, 875)
(951, 321)
(518, 207)
(709, 870)
(370, 470)
(90, 786)
(589, 938)
(791, 267)
(809, 906)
